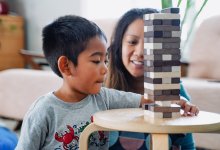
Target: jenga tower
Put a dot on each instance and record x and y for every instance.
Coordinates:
(162, 63)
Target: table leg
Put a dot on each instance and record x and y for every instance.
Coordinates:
(160, 141)
(84, 137)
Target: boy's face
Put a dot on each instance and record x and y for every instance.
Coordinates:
(91, 70)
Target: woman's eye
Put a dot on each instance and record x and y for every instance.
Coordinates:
(132, 42)
(106, 61)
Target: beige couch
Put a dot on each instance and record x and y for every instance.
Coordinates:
(203, 78)
(21, 87)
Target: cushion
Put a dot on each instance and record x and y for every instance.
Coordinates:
(205, 51)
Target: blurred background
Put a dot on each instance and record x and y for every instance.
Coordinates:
(21, 24)
(38, 13)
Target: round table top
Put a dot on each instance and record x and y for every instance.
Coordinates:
(132, 119)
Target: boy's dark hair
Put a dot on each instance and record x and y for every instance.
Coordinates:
(68, 36)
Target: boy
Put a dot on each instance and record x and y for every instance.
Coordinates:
(75, 49)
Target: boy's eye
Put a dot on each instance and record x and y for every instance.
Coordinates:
(96, 61)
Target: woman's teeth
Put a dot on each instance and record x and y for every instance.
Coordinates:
(138, 62)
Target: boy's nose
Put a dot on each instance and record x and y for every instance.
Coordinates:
(104, 69)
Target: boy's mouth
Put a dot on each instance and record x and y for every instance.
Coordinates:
(100, 81)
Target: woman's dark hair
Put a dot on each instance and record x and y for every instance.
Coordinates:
(118, 76)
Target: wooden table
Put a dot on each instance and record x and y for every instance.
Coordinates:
(132, 119)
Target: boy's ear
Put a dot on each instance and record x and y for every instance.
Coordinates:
(64, 65)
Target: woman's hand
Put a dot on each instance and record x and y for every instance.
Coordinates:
(189, 109)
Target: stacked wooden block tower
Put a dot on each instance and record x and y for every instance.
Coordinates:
(162, 63)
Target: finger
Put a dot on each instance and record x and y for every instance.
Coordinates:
(186, 109)
(197, 111)
(193, 110)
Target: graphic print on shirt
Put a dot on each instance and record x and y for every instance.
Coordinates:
(102, 138)
(68, 139)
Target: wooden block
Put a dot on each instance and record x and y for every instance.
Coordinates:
(161, 51)
(166, 80)
(161, 97)
(171, 22)
(174, 22)
(161, 86)
(175, 80)
(162, 92)
(146, 106)
(162, 40)
(175, 10)
(161, 28)
(162, 74)
(161, 45)
(158, 63)
(163, 103)
(164, 109)
(159, 115)
(167, 114)
(162, 69)
(162, 34)
(153, 69)
(161, 16)
(164, 57)
(170, 80)
(152, 22)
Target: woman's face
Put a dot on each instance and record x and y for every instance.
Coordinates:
(133, 48)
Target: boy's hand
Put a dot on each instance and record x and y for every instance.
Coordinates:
(145, 101)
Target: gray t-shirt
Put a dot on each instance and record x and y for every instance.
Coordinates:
(52, 124)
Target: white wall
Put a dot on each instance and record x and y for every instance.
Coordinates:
(38, 13)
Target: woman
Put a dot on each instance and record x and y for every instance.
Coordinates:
(126, 72)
